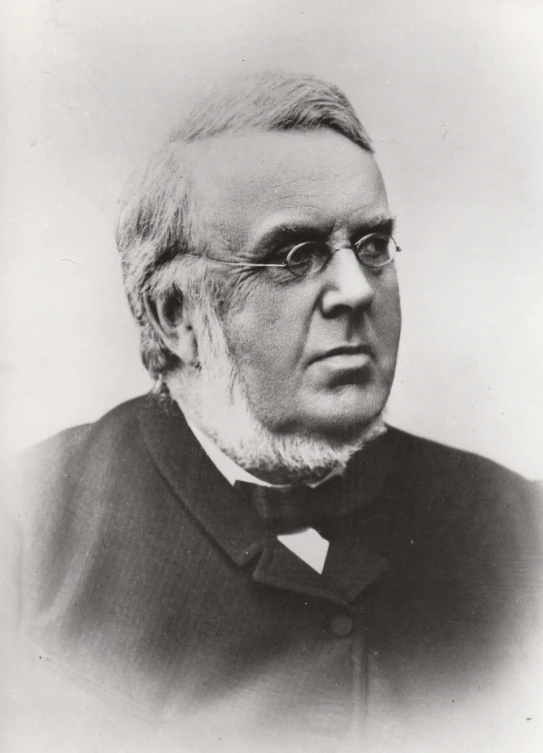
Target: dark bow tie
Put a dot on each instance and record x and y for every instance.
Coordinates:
(291, 509)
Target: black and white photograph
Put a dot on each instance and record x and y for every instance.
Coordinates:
(271, 376)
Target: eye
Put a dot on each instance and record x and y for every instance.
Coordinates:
(375, 250)
(307, 258)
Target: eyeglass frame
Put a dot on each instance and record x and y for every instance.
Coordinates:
(330, 249)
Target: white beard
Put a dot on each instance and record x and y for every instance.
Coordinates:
(214, 397)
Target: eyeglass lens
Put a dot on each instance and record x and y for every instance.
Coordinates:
(308, 258)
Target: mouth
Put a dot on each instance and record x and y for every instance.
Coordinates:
(346, 354)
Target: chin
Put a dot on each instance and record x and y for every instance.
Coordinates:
(343, 426)
(346, 418)
(339, 430)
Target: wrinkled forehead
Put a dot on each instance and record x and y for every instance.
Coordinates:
(244, 183)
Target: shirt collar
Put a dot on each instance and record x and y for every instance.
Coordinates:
(229, 469)
(234, 472)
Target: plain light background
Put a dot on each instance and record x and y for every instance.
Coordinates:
(452, 94)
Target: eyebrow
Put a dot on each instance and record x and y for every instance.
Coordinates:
(293, 232)
(384, 224)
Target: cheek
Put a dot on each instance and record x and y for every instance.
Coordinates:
(388, 319)
(267, 331)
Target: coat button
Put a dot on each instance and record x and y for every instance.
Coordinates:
(342, 625)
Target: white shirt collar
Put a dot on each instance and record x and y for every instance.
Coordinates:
(231, 470)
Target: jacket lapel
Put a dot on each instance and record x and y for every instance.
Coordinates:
(223, 513)
(281, 568)
(353, 566)
(228, 518)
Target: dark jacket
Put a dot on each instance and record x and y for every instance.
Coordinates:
(149, 582)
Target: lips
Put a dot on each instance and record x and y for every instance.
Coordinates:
(344, 351)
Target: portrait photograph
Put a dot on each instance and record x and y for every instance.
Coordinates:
(271, 376)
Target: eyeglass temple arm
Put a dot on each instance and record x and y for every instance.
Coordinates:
(235, 263)
(253, 264)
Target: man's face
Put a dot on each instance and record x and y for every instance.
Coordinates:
(316, 355)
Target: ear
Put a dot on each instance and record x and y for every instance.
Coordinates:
(171, 321)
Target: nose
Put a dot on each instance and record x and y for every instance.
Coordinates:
(348, 284)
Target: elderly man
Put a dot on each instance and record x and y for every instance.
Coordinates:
(248, 556)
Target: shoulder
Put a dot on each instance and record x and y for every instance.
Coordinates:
(77, 503)
(429, 464)
(466, 502)
(43, 484)
(66, 446)
(60, 460)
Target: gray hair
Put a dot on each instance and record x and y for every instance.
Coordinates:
(156, 223)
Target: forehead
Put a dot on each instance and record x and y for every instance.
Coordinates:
(245, 184)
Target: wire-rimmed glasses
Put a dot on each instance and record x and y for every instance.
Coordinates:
(374, 251)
